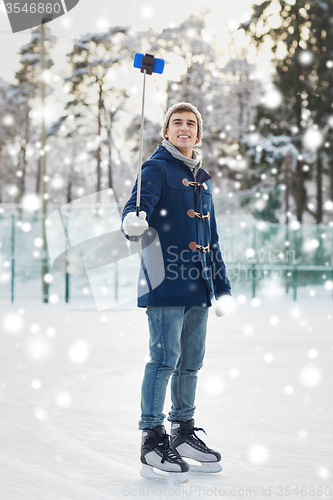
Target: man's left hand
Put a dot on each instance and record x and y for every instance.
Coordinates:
(223, 305)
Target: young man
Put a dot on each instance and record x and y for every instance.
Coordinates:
(176, 201)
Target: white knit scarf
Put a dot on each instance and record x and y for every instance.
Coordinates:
(193, 163)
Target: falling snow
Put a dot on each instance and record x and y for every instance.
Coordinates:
(310, 376)
(313, 139)
(258, 454)
(63, 399)
(12, 323)
(31, 202)
(78, 353)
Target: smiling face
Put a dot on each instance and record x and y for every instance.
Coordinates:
(182, 131)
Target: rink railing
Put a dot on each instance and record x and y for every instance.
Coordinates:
(266, 261)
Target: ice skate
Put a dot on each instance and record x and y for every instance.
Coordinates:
(156, 453)
(186, 442)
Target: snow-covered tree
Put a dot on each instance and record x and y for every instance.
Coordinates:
(22, 96)
(93, 58)
(70, 169)
(301, 39)
(224, 94)
(8, 179)
(273, 158)
(152, 135)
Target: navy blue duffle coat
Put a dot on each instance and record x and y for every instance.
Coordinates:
(180, 208)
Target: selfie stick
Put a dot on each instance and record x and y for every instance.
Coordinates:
(148, 64)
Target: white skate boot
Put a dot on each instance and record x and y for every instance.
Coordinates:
(156, 452)
(186, 442)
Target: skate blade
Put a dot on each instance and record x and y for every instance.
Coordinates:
(206, 467)
(148, 472)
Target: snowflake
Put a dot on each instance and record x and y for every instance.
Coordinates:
(40, 414)
(306, 57)
(31, 202)
(310, 376)
(12, 323)
(258, 454)
(38, 349)
(289, 389)
(78, 353)
(274, 320)
(214, 385)
(273, 98)
(36, 384)
(313, 139)
(63, 399)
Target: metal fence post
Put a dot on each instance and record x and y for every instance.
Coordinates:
(286, 253)
(297, 238)
(66, 287)
(13, 257)
(253, 269)
(67, 276)
(332, 257)
(45, 262)
(295, 280)
(116, 282)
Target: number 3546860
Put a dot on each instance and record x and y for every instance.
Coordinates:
(32, 8)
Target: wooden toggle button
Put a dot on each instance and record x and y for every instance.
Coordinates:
(192, 245)
(191, 213)
(185, 182)
(205, 185)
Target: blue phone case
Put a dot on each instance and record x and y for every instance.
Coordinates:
(158, 63)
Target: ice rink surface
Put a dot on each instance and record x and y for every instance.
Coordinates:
(70, 402)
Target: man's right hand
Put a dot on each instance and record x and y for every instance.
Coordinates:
(134, 225)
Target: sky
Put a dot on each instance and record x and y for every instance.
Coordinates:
(99, 15)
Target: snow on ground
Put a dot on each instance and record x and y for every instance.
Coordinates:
(70, 396)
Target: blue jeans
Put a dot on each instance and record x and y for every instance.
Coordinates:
(177, 348)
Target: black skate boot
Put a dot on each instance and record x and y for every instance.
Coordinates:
(156, 452)
(186, 442)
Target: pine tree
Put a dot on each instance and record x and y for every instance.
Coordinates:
(301, 37)
(271, 157)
